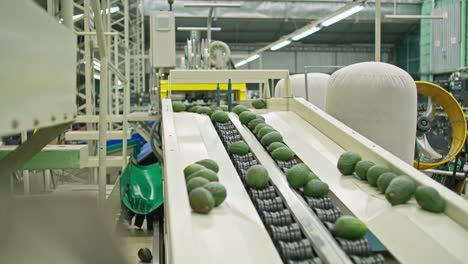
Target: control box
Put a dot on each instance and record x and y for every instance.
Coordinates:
(162, 39)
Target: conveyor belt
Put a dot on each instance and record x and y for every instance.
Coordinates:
(409, 233)
(322, 241)
(285, 233)
(328, 214)
(232, 232)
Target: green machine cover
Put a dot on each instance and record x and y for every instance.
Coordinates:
(141, 187)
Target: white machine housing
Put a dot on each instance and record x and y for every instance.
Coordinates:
(162, 39)
(37, 69)
(317, 84)
(379, 101)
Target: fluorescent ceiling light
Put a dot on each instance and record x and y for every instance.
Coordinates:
(198, 28)
(348, 12)
(305, 33)
(250, 59)
(254, 57)
(112, 10)
(97, 76)
(280, 45)
(241, 63)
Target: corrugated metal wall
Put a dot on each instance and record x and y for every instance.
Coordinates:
(408, 54)
(446, 39)
(295, 61)
(426, 43)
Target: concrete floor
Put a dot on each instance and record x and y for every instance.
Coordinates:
(130, 238)
(133, 239)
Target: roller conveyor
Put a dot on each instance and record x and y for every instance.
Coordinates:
(409, 233)
(231, 233)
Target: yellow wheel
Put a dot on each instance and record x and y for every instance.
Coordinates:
(437, 95)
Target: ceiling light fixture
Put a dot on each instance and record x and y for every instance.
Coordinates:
(250, 59)
(340, 16)
(305, 33)
(281, 45)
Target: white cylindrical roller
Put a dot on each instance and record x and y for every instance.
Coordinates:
(317, 83)
(379, 101)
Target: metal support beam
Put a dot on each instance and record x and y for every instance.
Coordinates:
(103, 102)
(67, 13)
(143, 77)
(27, 150)
(126, 92)
(378, 17)
(26, 186)
(51, 7)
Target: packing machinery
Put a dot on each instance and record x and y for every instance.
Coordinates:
(279, 224)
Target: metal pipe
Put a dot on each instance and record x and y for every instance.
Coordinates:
(447, 173)
(107, 23)
(143, 46)
(51, 8)
(210, 20)
(46, 180)
(378, 17)
(92, 33)
(103, 103)
(67, 13)
(89, 82)
(114, 69)
(26, 185)
(126, 90)
(116, 79)
(414, 17)
(463, 35)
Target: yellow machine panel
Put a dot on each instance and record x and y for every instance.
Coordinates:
(239, 90)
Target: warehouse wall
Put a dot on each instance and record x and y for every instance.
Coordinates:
(444, 34)
(296, 58)
(407, 53)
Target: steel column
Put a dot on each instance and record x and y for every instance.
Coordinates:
(378, 17)
(126, 90)
(26, 186)
(67, 13)
(143, 77)
(102, 103)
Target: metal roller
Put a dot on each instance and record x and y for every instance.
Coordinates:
(329, 226)
(298, 250)
(306, 261)
(374, 259)
(270, 205)
(320, 203)
(358, 247)
(286, 165)
(228, 126)
(279, 218)
(329, 215)
(267, 193)
(286, 233)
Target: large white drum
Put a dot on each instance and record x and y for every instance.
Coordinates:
(379, 101)
(317, 83)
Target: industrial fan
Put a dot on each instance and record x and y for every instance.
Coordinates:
(441, 126)
(220, 54)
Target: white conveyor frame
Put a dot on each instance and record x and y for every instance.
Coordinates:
(230, 233)
(411, 234)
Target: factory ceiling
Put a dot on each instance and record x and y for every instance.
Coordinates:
(266, 21)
